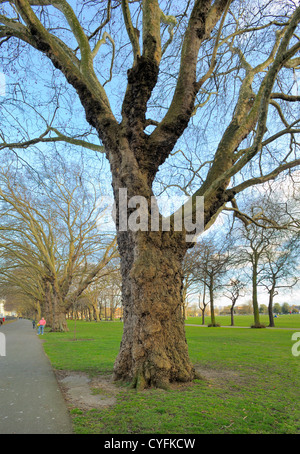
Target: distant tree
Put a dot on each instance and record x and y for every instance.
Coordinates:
(191, 281)
(279, 271)
(265, 234)
(246, 308)
(252, 253)
(211, 267)
(233, 291)
(203, 303)
(277, 308)
(285, 308)
(263, 309)
(50, 246)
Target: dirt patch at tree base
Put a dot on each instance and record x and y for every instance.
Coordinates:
(86, 393)
(220, 377)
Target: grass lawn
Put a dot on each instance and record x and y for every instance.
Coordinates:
(251, 383)
(282, 321)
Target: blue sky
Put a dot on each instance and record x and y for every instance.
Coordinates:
(30, 102)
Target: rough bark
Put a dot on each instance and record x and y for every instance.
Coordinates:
(59, 323)
(154, 350)
(59, 312)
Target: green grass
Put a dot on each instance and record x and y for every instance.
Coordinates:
(283, 321)
(94, 351)
(251, 383)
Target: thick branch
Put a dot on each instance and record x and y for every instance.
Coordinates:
(132, 32)
(202, 21)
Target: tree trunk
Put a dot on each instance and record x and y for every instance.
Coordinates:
(257, 323)
(47, 306)
(212, 308)
(232, 315)
(96, 312)
(59, 323)
(154, 350)
(233, 301)
(270, 308)
(204, 305)
(203, 316)
(89, 314)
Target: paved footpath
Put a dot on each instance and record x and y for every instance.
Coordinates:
(30, 399)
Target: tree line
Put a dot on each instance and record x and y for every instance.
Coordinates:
(52, 253)
(261, 254)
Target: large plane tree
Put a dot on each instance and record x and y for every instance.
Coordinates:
(226, 67)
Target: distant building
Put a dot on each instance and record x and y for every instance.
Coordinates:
(2, 306)
(3, 311)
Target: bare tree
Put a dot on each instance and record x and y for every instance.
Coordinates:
(253, 253)
(212, 265)
(212, 49)
(50, 243)
(191, 281)
(265, 230)
(280, 271)
(233, 291)
(202, 303)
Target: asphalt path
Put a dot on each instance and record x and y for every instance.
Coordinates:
(30, 398)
